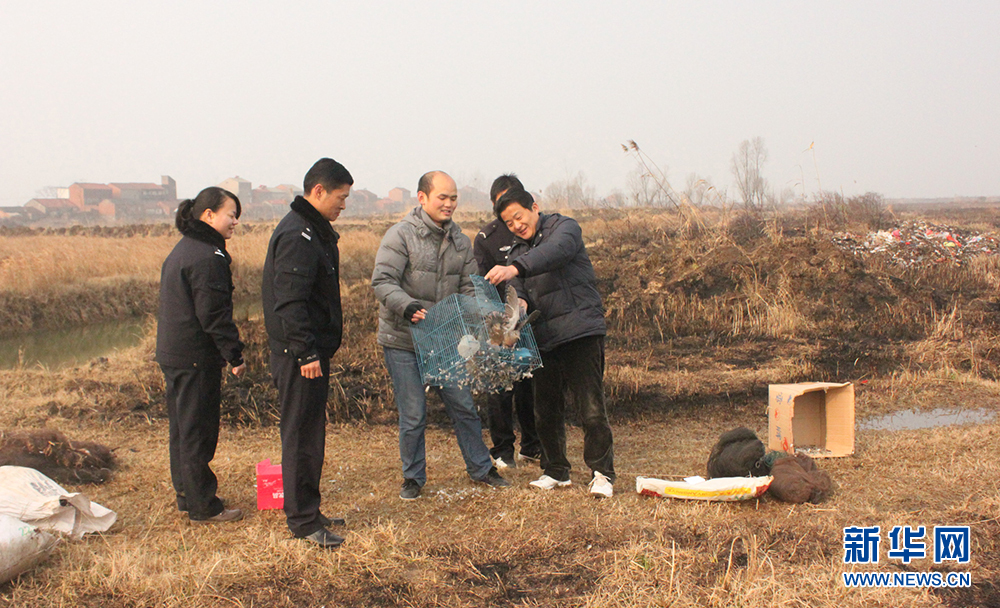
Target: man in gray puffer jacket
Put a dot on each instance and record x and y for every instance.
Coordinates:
(550, 269)
(422, 260)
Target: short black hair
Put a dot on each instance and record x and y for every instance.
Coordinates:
(328, 173)
(427, 182)
(502, 184)
(515, 195)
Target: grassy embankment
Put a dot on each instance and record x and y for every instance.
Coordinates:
(701, 319)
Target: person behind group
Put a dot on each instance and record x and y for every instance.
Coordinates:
(304, 321)
(552, 273)
(490, 248)
(421, 260)
(195, 338)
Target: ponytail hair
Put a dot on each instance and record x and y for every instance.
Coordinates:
(213, 197)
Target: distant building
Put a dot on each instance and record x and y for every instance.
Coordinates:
(16, 216)
(53, 207)
(361, 202)
(85, 196)
(138, 193)
(240, 187)
(400, 195)
(362, 197)
(89, 202)
(169, 187)
(107, 209)
(281, 194)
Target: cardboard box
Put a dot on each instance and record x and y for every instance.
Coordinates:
(270, 491)
(816, 418)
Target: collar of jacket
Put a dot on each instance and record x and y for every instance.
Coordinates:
(322, 226)
(419, 218)
(494, 226)
(200, 231)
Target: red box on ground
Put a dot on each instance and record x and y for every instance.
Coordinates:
(270, 491)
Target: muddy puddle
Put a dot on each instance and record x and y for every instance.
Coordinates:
(911, 420)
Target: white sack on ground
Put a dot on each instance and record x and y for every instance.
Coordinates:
(33, 498)
(720, 488)
(22, 547)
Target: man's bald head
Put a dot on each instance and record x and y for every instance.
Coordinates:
(426, 183)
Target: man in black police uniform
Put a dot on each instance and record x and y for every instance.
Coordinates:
(302, 313)
(490, 249)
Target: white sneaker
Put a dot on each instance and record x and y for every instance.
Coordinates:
(500, 464)
(547, 483)
(600, 486)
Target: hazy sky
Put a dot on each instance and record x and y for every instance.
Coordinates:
(900, 98)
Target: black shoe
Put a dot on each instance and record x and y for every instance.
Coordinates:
(493, 479)
(410, 490)
(226, 516)
(182, 504)
(324, 538)
(326, 522)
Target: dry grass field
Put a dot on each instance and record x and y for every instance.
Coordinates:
(703, 314)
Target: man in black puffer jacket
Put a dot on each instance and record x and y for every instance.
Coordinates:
(302, 313)
(552, 273)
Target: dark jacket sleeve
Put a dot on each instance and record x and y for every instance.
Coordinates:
(295, 268)
(562, 244)
(211, 290)
(483, 257)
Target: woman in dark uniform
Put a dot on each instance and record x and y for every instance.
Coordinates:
(195, 338)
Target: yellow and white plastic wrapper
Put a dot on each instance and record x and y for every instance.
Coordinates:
(720, 488)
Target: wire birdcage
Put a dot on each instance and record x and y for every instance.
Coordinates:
(454, 349)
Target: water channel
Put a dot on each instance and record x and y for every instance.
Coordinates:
(911, 420)
(61, 348)
(67, 347)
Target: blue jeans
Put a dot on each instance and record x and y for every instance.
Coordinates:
(411, 401)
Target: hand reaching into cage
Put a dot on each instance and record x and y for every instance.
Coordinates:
(500, 274)
(504, 329)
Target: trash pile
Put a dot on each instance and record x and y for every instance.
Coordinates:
(916, 243)
(35, 513)
(740, 468)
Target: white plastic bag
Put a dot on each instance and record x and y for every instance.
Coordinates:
(21, 547)
(29, 496)
(720, 488)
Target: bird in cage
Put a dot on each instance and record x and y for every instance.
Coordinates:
(504, 328)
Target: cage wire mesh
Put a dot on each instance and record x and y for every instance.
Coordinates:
(457, 344)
